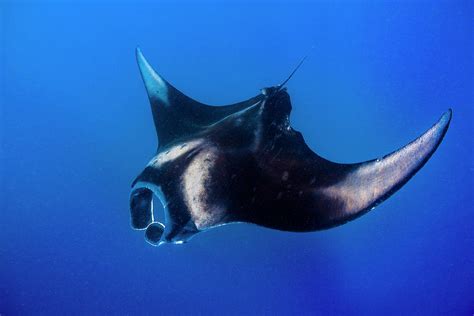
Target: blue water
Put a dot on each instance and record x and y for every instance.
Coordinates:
(76, 129)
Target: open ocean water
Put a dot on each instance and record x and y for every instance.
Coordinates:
(76, 129)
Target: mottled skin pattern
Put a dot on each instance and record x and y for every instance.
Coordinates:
(244, 163)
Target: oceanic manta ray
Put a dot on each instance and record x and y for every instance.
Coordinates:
(244, 162)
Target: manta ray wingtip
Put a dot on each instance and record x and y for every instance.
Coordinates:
(443, 124)
(139, 55)
(447, 116)
(143, 65)
(156, 86)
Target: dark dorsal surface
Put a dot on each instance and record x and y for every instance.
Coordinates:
(245, 163)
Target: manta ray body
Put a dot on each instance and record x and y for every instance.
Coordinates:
(245, 163)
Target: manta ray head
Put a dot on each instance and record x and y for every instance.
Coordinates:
(244, 162)
(203, 179)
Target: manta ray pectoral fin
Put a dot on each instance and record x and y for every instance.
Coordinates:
(158, 89)
(175, 114)
(365, 185)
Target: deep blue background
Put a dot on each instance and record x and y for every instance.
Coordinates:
(76, 129)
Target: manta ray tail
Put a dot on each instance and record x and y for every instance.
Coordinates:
(281, 85)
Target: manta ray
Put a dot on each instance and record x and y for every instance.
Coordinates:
(244, 163)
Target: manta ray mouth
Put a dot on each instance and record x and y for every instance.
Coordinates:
(142, 199)
(142, 212)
